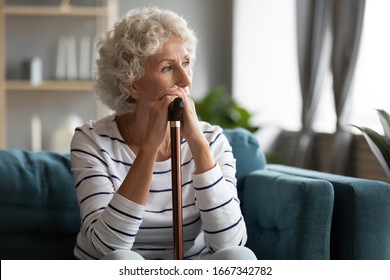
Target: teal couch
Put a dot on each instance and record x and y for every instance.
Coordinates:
(288, 215)
(361, 214)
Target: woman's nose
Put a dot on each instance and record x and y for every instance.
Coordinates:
(183, 78)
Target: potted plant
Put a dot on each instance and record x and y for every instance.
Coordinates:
(380, 144)
(218, 107)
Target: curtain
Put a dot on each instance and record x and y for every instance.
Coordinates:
(347, 25)
(312, 28)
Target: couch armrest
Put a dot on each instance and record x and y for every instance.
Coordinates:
(361, 218)
(287, 217)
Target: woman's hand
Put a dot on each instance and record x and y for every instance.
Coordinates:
(193, 133)
(158, 120)
(189, 120)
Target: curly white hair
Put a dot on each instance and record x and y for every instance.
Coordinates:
(123, 50)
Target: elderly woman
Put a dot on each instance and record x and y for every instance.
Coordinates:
(121, 163)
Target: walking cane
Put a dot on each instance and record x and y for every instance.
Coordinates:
(174, 114)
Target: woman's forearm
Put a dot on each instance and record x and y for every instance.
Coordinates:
(203, 158)
(136, 185)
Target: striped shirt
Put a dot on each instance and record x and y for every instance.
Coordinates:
(212, 218)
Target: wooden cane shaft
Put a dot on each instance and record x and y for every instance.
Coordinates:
(176, 191)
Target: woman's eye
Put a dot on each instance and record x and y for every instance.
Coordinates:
(186, 63)
(166, 68)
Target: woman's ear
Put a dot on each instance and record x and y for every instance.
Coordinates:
(134, 91)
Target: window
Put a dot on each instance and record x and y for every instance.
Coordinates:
(265, 69)
(372, 76)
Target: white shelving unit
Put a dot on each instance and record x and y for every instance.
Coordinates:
(104, 13)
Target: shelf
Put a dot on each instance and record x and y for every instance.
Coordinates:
(54, 11)
(97, 17)
(22, 85)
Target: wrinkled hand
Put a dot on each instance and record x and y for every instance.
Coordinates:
(158, 117)
(158, 120)
(190, 128)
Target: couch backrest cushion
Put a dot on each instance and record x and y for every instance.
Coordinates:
(246, 150)
(37, 193)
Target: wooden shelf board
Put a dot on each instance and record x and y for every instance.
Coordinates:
(55, 85)
(54, 11)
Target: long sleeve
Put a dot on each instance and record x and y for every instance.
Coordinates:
(216, 197)
(109, 221)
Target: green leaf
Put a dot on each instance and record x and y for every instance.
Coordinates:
(385, 120)
(218, 107)
(380, 146)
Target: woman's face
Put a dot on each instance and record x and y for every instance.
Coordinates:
(166, 69)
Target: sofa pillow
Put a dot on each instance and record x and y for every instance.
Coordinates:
(246, 150)
(37, 193)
